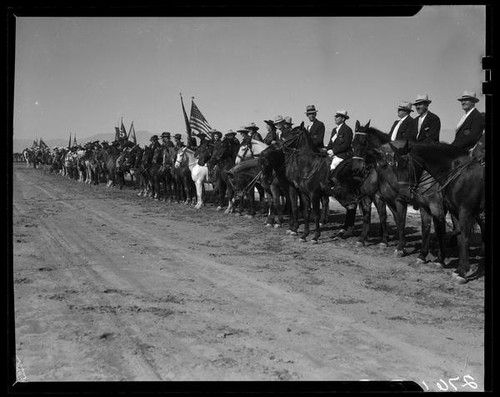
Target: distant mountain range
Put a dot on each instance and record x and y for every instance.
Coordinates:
(19, 144)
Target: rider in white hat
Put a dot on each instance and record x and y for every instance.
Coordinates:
(471, 125)
(427, 124)
(316, 129)
(339, 144)
(403, 127)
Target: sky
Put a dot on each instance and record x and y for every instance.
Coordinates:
(81, 75)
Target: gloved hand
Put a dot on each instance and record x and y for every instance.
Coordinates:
(330, 152)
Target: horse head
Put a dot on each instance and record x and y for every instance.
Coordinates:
(205, 153)
(179, 159)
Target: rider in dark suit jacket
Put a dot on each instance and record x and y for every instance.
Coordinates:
(406, 130)
(316, 129)
(469, 131)
(271, 136)
(431, 124)
(341, 137)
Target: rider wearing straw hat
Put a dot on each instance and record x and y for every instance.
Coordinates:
(253, 131)
(316, 129)
(427, 124)
(339, 145)
(471, 125)
(403, 128)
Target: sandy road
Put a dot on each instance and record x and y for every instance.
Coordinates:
(110, 286)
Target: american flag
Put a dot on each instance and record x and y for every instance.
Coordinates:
(198, 121)
(131, 133)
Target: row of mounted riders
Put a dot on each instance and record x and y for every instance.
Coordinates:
(436, 178)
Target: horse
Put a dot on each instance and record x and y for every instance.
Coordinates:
(223, 159)
(250, 149)
(372, 148)
(274, 182)
(166, 173)
(244, 177)
(307, 173)
(461, 180)
(199, 174)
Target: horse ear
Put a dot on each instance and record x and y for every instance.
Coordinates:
(302, 125)
(357, 125)
(368, 124)
(394, 148)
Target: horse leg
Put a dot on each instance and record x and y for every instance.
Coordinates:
(294, 216)
(199, 194)
(366, 210)
(399, 214)
(426, 220)
(316, 199)
(306, 202)
(466, 223)
(325, 203)
(382, 214)
(251, 202)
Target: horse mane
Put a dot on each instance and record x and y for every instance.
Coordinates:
(380, 135)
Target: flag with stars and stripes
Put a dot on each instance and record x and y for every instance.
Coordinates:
(198, 122)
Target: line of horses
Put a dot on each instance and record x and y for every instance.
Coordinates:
(294, 179)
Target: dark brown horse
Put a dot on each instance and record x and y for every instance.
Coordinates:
(223, 159)
(372, 149)
(307, 173)
(461, 180)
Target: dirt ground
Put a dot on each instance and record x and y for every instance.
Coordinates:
(115, 287)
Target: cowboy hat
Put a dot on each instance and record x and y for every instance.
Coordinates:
(154, 138)
(165, 135)
(342, 113)
(278, 119)
(405, 106)
(469, 96)
(243, 130)
(311, 109)
(178, 136)
(230, 133)
(288, 120)
(251, 126)
(215, 132)
(422, 98)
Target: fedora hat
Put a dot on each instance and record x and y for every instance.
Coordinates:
(165, 135)
(407, 106)
(342, 113)
(311, 109)
(178, 136)
(154, 138)
(243, 130)
(278, 119)
(469, 96)
(288, 120)
(251, 126)
(422, 98)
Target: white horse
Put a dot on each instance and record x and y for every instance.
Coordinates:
(199, 174)
(250, 150)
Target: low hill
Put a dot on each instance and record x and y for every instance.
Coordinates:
(19, 144)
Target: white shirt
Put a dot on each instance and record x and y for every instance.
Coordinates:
(463, 118)
(420, 121)
(395, 132)
(337, 128)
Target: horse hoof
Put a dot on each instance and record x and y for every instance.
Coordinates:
(302, 240)
(277, 225)
(249, 216)
(269, 225)
(359, 244)
(382, 245)
(313, 241)
(293, 233)
(219, 208)
(399, 253)
(459, 279)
